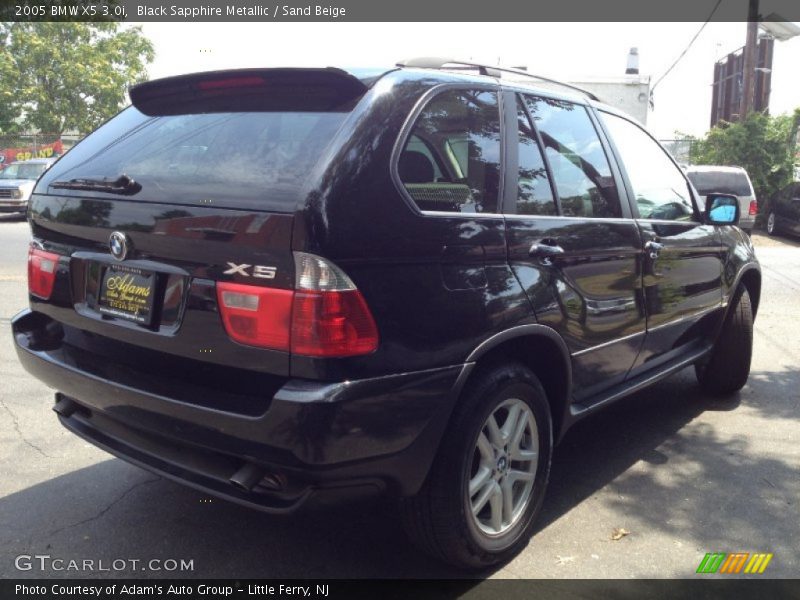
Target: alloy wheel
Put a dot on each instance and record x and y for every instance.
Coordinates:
(503, 469)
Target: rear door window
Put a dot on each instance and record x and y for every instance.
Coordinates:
(254, 160)
(579, 165)
(534, 194)
(451, 161)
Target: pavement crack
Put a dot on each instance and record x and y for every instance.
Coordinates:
(111, 505)
(15, 422)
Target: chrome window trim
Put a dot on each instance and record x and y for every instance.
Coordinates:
(608, 343)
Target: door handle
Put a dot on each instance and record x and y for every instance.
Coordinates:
(653, 249)
(545, 249)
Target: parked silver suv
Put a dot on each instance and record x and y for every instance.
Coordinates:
(708, 179)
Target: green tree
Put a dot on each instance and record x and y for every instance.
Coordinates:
(67, 76)
(9, 83)
(763, 145)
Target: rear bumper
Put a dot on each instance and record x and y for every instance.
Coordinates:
(747, 222)
(316, 439)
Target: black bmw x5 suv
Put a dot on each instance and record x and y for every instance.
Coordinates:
(285, 286)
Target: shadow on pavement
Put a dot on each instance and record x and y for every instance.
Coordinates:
(717, 490)
(113, 510)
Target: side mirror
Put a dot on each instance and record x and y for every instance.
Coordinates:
(722, 209)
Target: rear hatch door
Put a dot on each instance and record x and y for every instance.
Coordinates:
(196, 183)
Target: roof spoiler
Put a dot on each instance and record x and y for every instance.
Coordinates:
(249, 90)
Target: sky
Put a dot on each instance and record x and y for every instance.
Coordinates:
(565, 51)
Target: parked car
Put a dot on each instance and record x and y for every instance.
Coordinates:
(784, 214)
(17, 181)
(425, 279)
(709, 179)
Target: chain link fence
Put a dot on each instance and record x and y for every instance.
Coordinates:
(681, 149)
(25, 146)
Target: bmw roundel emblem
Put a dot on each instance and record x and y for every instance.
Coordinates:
(119, 245)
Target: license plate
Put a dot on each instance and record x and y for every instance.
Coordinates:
(127, 293)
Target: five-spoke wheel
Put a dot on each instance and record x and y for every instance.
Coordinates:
(480, 501)
(503, 467)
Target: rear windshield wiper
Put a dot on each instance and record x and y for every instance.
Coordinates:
(121, 185)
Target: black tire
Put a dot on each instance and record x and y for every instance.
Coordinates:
(727, 369)
(437, 518)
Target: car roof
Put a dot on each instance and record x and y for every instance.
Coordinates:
(714, 169)
(466, 75)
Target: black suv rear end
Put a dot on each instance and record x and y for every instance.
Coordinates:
(279, 286)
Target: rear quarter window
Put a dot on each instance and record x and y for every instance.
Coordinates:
(451, 160)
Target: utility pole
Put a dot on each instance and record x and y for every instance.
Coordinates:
(749, 70)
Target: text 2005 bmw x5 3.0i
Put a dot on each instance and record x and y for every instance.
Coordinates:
(282, 286)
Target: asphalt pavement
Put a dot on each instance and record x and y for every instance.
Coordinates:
(674, 473)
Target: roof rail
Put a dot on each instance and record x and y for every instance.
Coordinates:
(433, 62)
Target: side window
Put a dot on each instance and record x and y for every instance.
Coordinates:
(416, 144)
(451, 161)
(578, 162)
(534, 195)
(660, 189)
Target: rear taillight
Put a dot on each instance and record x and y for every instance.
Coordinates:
(324, 316)
(753, 208)
(330, 316)
(256, 316)
(41, 272)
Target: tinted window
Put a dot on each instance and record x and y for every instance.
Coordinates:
(732, 182)
(451, 161)
(253, 160)
(659, 186)
(578, 162)
(417, 145)
(534, 195)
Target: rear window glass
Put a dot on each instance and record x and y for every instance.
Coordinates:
(245, 159)
(707, 182)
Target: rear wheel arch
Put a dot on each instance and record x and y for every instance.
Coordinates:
(751, 280)
(543, 351)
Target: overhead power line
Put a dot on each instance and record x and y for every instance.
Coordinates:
(685, 50)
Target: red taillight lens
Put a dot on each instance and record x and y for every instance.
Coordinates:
(256, 316)
(332, 323)
(753, 208)
(41, 272)
(330, 316)
(325, 316)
